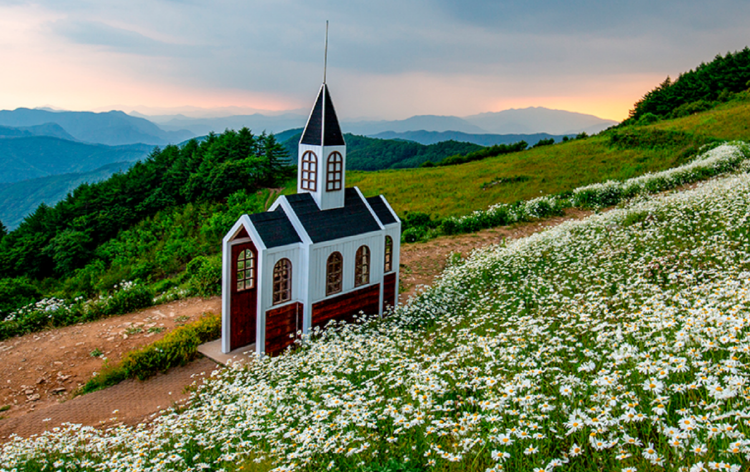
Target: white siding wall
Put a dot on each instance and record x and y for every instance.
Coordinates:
(271, 257)
(348, 248)
(394, 231)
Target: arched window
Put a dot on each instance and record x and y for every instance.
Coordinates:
(334, 172)
(282, 281)
(309, 171)
(245, 270)
(388, 266)
(334, 273)
(362, 266)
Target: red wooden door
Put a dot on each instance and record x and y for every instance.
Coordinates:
(244, 295)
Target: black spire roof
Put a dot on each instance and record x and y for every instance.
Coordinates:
(323, 127)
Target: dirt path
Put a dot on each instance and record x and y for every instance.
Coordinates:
(130, 402)
(41, 370)
(272, 194)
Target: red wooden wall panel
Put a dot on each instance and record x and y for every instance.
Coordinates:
(282, 325)
(345, 306)
(389, 291)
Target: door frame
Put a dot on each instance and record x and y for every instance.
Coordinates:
(230, 289)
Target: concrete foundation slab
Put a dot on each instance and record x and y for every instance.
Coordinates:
(212, 350)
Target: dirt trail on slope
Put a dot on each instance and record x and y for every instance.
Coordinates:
(41, 370)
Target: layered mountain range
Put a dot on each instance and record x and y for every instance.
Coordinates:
(44, 154)
(514, 121)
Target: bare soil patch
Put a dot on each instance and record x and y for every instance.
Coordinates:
(130, 402)
(42, 370)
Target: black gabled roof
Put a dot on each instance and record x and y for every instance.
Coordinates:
(274, 228)
(320, 133)
(326, 225)
(381, 210)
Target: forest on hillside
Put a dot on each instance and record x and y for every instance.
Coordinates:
(56, 241)
(364, 153)
(696, 90)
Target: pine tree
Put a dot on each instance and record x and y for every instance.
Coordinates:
(275, 160)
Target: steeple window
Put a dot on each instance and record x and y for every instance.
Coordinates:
(309, 180)
(334, 172)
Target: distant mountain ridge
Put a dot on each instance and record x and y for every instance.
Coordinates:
(432, 137)
(534, 120)
(255, 122)
(47, 129)
(18, 199)
(31, 157)
(112, 128)
(44, 143)
(539, 120)
(415, 123)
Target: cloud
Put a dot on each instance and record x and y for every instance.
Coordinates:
(597, 17)
(496, 49)
(97, 33)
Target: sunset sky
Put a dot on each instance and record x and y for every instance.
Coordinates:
(388, 59)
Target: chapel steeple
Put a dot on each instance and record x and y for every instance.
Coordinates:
(322, 152)
(323, 126)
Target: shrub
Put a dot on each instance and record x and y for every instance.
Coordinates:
(412, 235)
(16, 293)
(164, 285)
(415, 219)
(691, 108)
(130, 297)
(503, 214)
(205, 275)
(175, 349)
(647, 119)
(544, 142)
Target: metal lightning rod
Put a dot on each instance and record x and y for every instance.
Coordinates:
(325, 62)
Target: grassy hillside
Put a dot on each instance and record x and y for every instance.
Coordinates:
(615, 343)
(457, 190)
(730, 120)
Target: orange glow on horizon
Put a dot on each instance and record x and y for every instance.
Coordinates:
(609, 108)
